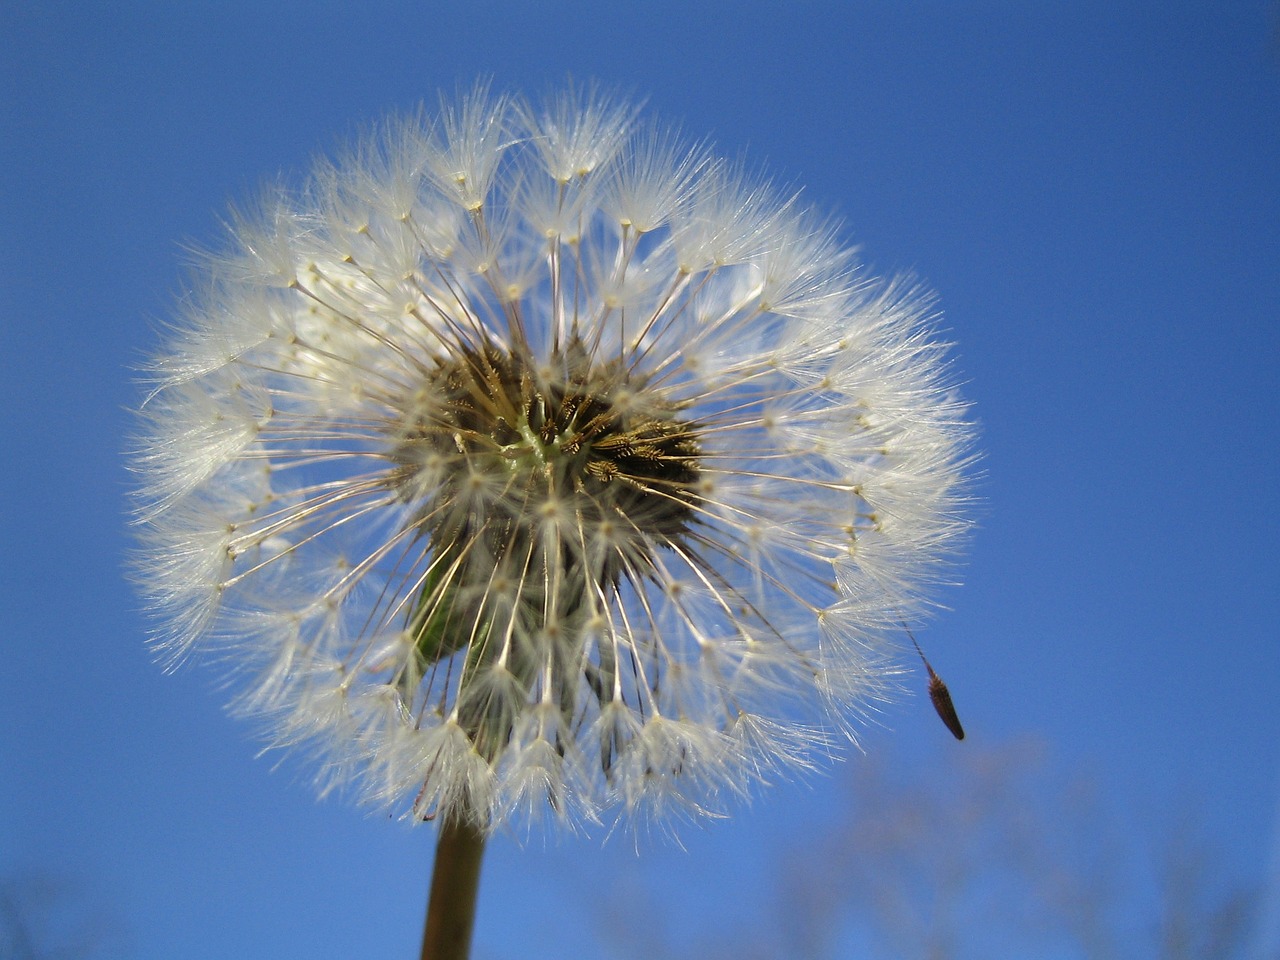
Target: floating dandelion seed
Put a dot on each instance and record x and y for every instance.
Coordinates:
(940, 695)
(525, 460)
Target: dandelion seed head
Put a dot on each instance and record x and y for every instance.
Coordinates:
(528, 462)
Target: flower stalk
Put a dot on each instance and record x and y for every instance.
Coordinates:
(455, 883)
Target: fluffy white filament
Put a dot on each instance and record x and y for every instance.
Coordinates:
(527, 460)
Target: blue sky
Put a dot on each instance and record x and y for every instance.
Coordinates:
(1093, 189)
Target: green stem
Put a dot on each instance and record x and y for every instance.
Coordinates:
(451, 908)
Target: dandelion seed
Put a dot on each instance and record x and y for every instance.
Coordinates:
(524, 462)
(940, 696)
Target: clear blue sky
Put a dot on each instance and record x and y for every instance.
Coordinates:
(1092, 188)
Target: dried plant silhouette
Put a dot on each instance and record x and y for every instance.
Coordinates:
(985, 853)
(46, 917)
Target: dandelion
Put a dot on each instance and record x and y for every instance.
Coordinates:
(526, 462)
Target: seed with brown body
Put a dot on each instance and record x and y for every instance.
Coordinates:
(940, 695)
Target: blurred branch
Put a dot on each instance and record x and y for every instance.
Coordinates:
(984, 853)
(43, 917)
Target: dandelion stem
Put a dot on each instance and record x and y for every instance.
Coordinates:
(451, 908)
